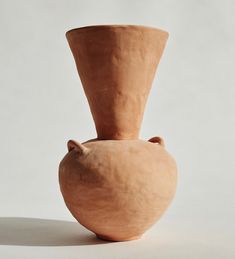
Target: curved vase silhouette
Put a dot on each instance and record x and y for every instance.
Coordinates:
(117, 185)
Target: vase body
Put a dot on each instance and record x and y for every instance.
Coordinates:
(117, 185)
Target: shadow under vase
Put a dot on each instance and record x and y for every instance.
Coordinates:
(44, 232)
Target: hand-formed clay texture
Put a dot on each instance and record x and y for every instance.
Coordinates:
(117, 189)
(117, 185)
(116, 65)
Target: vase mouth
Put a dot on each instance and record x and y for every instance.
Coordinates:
(114, 26)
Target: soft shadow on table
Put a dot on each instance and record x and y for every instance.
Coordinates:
(44, 232)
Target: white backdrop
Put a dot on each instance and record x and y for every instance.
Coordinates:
(191, 106)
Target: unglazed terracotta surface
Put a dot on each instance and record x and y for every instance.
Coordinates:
(117, 189)
(116, 65)
(117, 185)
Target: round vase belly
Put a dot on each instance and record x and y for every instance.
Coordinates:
(117, 189)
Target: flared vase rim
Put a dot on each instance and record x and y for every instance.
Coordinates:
(113, 26)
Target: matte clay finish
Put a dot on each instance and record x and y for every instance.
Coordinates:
(116, 65)
(117, 189)
(116, 185)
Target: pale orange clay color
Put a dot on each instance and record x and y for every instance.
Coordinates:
(116, 65)
(117, 185)
(117, 189)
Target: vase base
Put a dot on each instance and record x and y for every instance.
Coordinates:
(113, 239)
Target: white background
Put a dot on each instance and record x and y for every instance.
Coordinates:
(191, 106)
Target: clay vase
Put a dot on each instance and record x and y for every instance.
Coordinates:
(117, 185)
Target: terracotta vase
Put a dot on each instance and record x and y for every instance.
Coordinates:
(117, 185)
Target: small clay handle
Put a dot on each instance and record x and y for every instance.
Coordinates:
(158, 140)
(74, 145)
